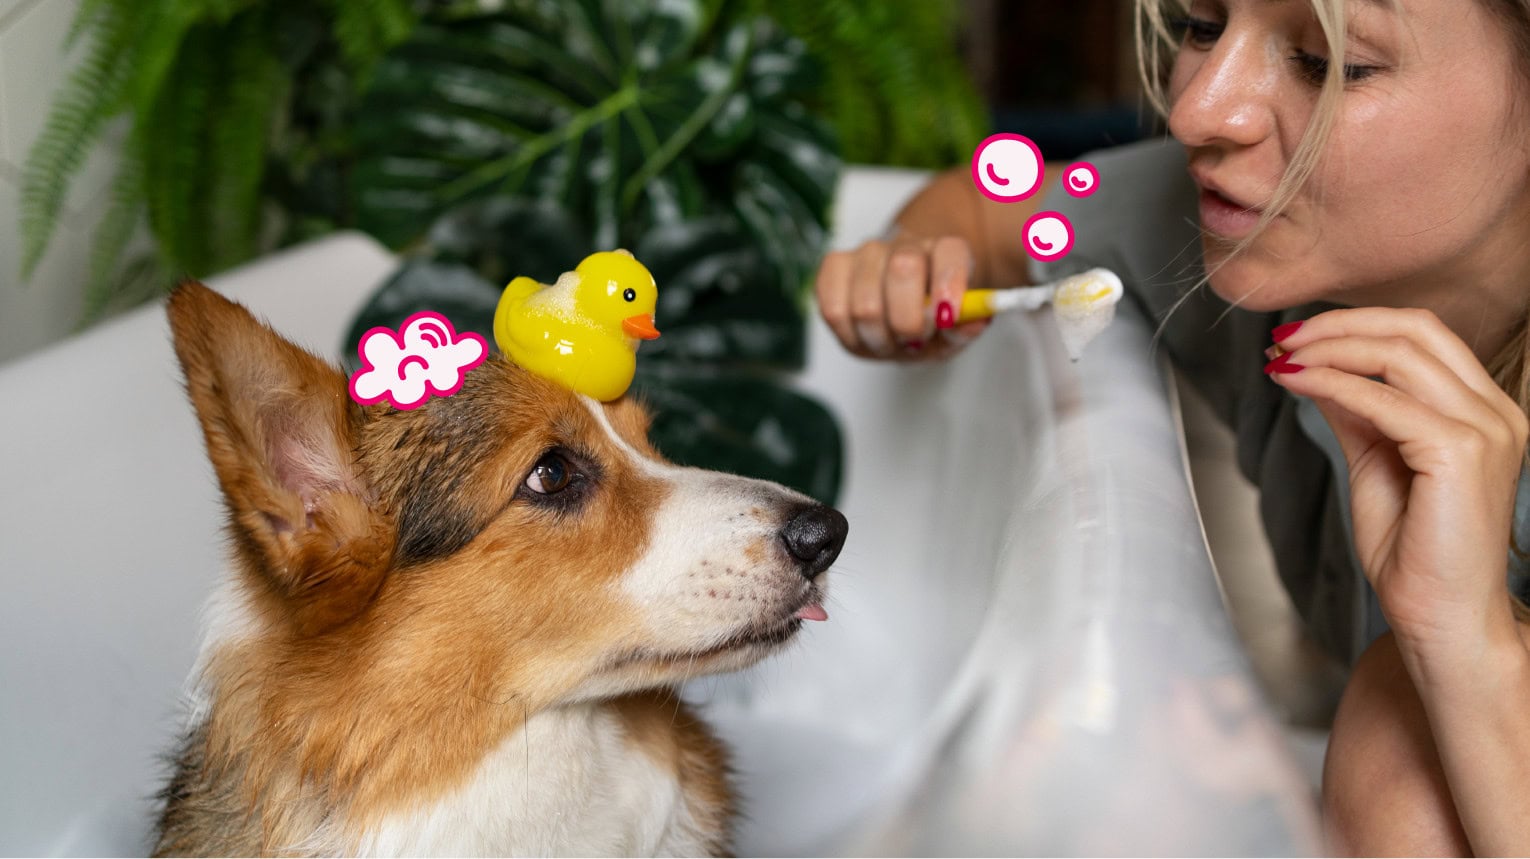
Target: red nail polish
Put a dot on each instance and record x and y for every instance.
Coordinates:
(1283, 365)
(915, 345)
(1281, 332)
(945, 316)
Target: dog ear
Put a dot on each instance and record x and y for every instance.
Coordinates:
(280, 429)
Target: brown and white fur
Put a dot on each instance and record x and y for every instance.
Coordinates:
(422, 650)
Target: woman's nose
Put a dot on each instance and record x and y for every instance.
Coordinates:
(1229, 97)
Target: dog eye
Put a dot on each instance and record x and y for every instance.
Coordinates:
(551, 474)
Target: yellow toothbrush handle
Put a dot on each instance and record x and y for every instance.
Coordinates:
(976, 304)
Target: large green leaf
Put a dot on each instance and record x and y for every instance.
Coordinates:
(729, 421)
(628, 115)
(517, 143)
(717, 302)
(717, 403)
(718, 306)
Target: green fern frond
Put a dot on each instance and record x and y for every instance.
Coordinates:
(91, 96)
(133, 45)
(219, 11)
(136, 281)
(84, 19)
(897, 91)
(172, 162)
(251, 86)
(366, 29)
(156, 50)
(123, 215)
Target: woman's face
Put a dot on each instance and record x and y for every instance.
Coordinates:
(1425, 181)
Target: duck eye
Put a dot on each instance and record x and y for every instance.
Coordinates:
(552, 474)
(630, 294)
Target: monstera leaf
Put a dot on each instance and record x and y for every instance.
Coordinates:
(496, 145)
(713, 380)
(629, 115)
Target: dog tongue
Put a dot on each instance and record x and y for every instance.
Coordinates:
(812, 612)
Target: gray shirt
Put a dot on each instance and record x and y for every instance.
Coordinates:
(1142, 223)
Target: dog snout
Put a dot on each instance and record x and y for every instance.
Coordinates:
(814, 537)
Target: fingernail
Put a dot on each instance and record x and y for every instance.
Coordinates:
(1283, 364)
(945, 316)
(914, 345)
(1281, 332)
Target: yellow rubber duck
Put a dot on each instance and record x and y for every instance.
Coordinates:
(582, 331)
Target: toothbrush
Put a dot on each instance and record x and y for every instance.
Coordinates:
(1079, 290)
(1083, 304)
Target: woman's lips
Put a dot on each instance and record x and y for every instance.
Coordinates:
(1225, 218)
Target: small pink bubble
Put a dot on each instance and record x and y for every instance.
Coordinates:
(1081, 179)
(1048, 236)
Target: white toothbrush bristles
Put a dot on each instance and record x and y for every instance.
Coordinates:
(1084, 305)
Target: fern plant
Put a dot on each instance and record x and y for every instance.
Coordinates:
(205, 83)
(895, 89)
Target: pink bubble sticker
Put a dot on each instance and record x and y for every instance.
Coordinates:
(1007, 168)
(1081, 179)
(1048, 236)
(425, 357)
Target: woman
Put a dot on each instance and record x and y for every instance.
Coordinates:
(1372, 157)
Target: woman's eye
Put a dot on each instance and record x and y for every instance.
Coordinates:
(1314, 69)
(1199, 32)
(551, 475)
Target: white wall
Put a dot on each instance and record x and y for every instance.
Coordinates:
(32, 67)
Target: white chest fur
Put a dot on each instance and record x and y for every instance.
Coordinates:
(566, 784)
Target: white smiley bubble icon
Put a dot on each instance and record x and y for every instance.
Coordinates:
(1081, 179)
(1048, 236)
(1007, 168)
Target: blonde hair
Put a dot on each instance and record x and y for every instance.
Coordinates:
(1156, 47)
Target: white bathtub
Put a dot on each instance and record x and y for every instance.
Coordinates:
(1027, 653)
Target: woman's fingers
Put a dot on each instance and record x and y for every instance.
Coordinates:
(1426, 439)
(1421, 327)
(832, 290)
(951, 265)
(868, 304)
(1401, 363)
(883, 300)
(908, 290)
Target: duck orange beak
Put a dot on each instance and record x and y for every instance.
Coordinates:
(640, 326)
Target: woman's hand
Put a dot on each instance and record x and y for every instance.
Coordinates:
(897, 299)
(1434, 451)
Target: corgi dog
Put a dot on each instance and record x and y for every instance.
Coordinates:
(459, 629)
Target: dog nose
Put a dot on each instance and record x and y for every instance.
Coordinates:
(814, 536)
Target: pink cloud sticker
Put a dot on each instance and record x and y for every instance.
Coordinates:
(425, 357)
